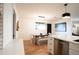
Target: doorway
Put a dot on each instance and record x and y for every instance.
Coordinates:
(14, 25)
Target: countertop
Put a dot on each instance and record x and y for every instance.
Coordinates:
(67, 38)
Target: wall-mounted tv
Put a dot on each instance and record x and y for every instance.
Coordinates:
(60, 27)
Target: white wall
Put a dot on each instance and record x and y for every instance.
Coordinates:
(28, 14)
(68, 32)
(7, 23)
(26, 29)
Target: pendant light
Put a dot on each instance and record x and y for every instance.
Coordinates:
(66, 14)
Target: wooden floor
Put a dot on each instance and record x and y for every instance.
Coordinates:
(31, 49)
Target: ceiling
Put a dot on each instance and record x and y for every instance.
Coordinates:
(49, 10)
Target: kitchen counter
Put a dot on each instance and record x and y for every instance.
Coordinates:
(63, 45)
(65, 38)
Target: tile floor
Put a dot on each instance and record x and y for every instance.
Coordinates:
(15, 47)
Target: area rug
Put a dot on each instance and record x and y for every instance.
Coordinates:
(32, 49)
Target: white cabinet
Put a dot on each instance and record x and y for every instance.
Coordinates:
(51, 45)
(73, 49)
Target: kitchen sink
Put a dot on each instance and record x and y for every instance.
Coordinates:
(77, 40)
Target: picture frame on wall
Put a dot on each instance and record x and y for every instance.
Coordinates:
(17, 26)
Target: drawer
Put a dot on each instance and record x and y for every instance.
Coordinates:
(51, 51)
(50, 41)
(72, 52)
(74, 47)
(50, 45)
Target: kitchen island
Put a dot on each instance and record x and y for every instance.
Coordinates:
(63, 45)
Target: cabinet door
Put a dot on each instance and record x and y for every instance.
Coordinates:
(73, 49)
(65, 48)
(56, 47)
(61, 47)
(73, 52)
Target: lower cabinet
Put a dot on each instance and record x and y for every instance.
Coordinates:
(73, 49)
(61, 47)
(58, 47)
(73, 52)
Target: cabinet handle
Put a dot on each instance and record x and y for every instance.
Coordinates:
(50, 49)
(50, 43)
(50, 39)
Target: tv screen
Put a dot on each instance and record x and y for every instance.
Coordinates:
(60, 27)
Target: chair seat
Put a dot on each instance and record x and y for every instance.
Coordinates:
(42, 41)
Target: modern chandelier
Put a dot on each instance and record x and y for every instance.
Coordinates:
(66, 14)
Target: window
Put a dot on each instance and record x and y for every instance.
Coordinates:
(40, 26)
(60, 27)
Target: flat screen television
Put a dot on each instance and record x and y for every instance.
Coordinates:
(60, 27)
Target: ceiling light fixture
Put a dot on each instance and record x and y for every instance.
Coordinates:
(66, 14)
(41, 16)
